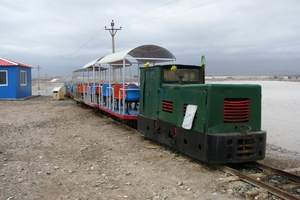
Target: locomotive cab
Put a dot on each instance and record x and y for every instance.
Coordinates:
(226, 127)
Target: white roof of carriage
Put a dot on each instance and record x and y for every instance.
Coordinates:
(143, 54)
(90, 65)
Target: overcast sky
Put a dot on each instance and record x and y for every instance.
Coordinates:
(237, 37)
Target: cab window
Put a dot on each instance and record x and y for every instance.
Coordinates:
(182, 76)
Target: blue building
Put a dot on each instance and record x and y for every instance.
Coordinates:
(15, 80)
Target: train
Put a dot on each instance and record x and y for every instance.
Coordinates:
(171, 104)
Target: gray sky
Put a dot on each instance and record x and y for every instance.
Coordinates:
(237, 37)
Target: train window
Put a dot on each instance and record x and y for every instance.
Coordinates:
(182, 76)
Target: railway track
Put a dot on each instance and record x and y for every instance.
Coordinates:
(276, 182)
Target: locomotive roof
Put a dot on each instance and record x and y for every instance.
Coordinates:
(177, 65)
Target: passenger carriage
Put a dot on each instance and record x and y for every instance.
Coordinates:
(111, 83)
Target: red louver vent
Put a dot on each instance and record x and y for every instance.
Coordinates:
(167, 106)
(236, 110)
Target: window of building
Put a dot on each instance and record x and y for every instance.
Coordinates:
(3, 78)
(23, 78)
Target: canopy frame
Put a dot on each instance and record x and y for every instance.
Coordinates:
(139, 55)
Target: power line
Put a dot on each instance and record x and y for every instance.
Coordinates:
(83, 45)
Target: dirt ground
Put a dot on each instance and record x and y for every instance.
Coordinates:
(59, 150)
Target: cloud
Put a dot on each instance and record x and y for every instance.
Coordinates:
(238, 37)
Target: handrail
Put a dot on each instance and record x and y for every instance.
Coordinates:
(101, 96)
(110, 101)
(130, 89)
(124, 93)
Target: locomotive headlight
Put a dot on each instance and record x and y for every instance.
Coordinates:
(174, 68)
(147, 64)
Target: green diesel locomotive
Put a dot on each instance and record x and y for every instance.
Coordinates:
(224, 119)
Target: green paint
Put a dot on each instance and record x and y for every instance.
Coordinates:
(208, 97)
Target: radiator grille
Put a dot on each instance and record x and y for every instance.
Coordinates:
(236, 110)
(167, 106)
(245, 147)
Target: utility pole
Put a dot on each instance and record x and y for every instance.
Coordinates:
(38, 81)
(112, 30)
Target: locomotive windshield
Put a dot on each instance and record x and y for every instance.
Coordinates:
(182, 76)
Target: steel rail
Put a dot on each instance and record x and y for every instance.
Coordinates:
(253, 181)
(290, 176)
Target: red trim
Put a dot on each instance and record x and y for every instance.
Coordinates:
(93, 105)
(118, 115)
